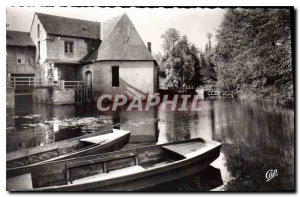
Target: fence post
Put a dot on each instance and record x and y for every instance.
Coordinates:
(62, 85)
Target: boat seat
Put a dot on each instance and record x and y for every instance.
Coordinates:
(188, 149)
(111, 174)
(22, 182)
(71, 164)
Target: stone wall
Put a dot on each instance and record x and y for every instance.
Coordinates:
(54, 96)
(10, 98)
(60, 97)
(26, 54)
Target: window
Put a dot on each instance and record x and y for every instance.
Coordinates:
(69, 47)
(21, 144)
(39, 49)
(115, 76)
(38, 30)
(20, 55)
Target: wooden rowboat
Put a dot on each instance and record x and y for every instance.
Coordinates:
(127, 170)
(93, 143)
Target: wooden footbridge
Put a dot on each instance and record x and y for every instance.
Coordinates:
(42, 82)
(207, 93)
(83, 90)
(172, 91)
(218, 94)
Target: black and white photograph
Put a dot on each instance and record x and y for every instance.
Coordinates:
(150, 99)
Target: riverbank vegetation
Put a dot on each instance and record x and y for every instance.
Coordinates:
(252, 57)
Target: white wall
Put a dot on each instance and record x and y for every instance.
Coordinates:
(136, 77)
(42, 39)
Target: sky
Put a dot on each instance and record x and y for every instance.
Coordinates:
(151, 23)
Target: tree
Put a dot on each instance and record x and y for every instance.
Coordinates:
(161, 70)
(209, 35)
(170, 38)
(253, 53)
(180, 62)
(208, 64)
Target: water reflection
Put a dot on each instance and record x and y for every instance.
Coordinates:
(255, 137)
(205, 180)
(142, 125)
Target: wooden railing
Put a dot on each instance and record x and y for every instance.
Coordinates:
(182, 88)
(45, 82)
(75, 84)
(29, 81)
(172, 91)
(217, 93)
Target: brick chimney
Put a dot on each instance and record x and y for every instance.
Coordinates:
(149, 46)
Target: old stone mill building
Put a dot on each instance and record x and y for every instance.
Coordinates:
(71, 60)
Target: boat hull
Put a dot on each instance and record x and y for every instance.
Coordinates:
(148, 178)
(112, 145)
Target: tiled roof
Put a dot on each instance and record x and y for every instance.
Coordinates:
(115, 47)
(109, 25)
(69, 27)
(18, 38)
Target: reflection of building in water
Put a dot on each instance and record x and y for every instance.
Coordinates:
(180, 125)
(203, 123)
(174, 126)
(23, 130)
(24, 106)
(143, 125)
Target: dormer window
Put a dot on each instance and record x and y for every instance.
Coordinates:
(69, 46)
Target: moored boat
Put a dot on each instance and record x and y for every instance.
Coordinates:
(127, 170)
(92, 143)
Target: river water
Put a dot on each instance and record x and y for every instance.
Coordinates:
(255, 137)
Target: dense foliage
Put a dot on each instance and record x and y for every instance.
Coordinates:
(180, 64)
(208, 66)
(254, 56)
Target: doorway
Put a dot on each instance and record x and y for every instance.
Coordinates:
(88, 78)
